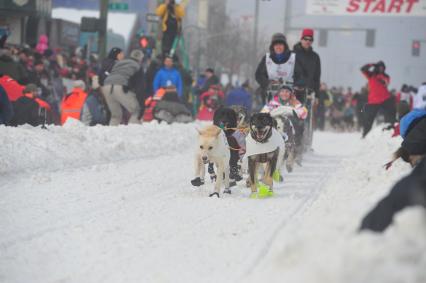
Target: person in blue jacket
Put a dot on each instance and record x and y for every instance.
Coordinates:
(6, 109)
(168, 76)
(240, 96)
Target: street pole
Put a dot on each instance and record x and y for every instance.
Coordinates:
(256, 26)
(287, 17)
(103, 17)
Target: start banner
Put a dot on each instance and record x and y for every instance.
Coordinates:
(366, 7)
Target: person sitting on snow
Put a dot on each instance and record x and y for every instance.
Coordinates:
(166, 104)
(168, 76)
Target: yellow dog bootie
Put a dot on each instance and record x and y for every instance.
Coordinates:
(276, 176)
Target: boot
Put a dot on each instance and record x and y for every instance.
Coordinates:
(210, 169)
(197, 182)
(235, 174)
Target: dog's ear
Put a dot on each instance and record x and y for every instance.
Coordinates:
(199, 131)
(218, 131)
(274, 123)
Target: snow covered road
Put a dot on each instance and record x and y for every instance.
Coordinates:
(116, 205)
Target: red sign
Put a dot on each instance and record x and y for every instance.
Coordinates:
(366, 7)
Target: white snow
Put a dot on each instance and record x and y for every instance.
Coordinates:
(114, 204)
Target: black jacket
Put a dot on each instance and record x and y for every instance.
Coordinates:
(415, 141)
(137, 85)
(310, 67)
(106, 67)
(26, 111)
(409, 191)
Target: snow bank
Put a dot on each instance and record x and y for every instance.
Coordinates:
(323, 245)
(28, 148)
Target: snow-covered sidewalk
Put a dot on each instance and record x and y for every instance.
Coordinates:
(114, 204)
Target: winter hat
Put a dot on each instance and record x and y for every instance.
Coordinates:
(287, 87)
(137, 55)
(279, 38)
(30, 88)
(114, 52)
(381, 64)
(79, 84)
(308, 33)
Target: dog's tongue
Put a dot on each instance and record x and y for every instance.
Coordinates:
(259, 135)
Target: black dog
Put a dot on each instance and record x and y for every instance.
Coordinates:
(261, 125)
(243, 117)
(226, 118)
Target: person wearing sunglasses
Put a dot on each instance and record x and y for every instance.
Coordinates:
(309, 61)
(308, 84)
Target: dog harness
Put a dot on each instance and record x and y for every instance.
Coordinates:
(253, 147)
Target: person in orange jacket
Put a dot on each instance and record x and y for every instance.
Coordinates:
(73, 103)
(171, 15)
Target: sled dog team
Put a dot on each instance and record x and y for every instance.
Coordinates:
(267, 143)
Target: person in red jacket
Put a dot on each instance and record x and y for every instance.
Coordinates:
(378, 96)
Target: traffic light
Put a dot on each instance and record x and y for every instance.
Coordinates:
(415, 48)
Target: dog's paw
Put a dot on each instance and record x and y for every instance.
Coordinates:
(289, 169)
(214, 194)
(197, 182)
(227, 191)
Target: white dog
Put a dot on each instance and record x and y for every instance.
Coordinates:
(212, 147)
